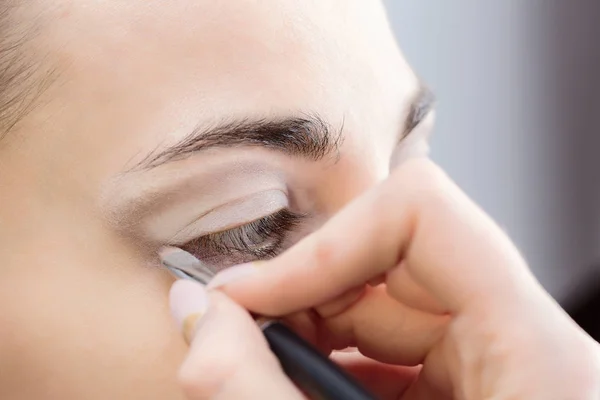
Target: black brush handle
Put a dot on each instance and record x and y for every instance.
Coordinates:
(315, 374)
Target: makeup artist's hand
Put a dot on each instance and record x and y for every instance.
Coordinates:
(447, 290)
(229, 358)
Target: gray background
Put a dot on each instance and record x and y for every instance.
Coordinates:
(518, 87)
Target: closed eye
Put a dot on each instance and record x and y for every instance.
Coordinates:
(258, 240)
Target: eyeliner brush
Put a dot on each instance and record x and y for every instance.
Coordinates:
(314, 373)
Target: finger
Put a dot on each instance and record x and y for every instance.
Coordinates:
(385, 381)
(433, 381)
(341, 303)
(379, 326)
(408, 292)
(419, 216)
(229, 357)
(308, 326)
(422, 390)
(385, 330)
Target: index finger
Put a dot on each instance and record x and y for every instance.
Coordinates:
(418, 215)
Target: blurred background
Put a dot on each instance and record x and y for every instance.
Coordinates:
(518, 125)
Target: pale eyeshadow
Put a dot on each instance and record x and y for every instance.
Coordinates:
(231, 200)
(233, 214)
(194, 186)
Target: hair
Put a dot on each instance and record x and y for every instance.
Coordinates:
(22, 80)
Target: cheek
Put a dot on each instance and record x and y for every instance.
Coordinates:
(90, 330)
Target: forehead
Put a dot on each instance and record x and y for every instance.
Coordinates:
(144, 72)
(242, 44)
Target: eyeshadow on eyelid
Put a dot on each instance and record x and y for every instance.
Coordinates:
(233, 214)
(203, 197)
(131, 198)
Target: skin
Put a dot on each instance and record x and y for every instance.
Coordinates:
(453, 295)
(84, 311)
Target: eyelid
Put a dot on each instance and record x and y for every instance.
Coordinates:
(261, 239)
(420, 132)
(425, 124)
(232, 215)
(415, 144)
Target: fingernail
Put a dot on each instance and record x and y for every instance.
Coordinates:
(189, 302)
(233, 274)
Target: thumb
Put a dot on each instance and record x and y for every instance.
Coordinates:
(229, 358)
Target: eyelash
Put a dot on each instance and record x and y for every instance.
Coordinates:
(257, 240)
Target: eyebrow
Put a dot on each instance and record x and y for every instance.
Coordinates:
(308, 136)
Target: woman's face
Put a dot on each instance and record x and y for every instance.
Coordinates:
(231, 129)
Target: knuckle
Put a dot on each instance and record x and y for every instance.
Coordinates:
(324, 250)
